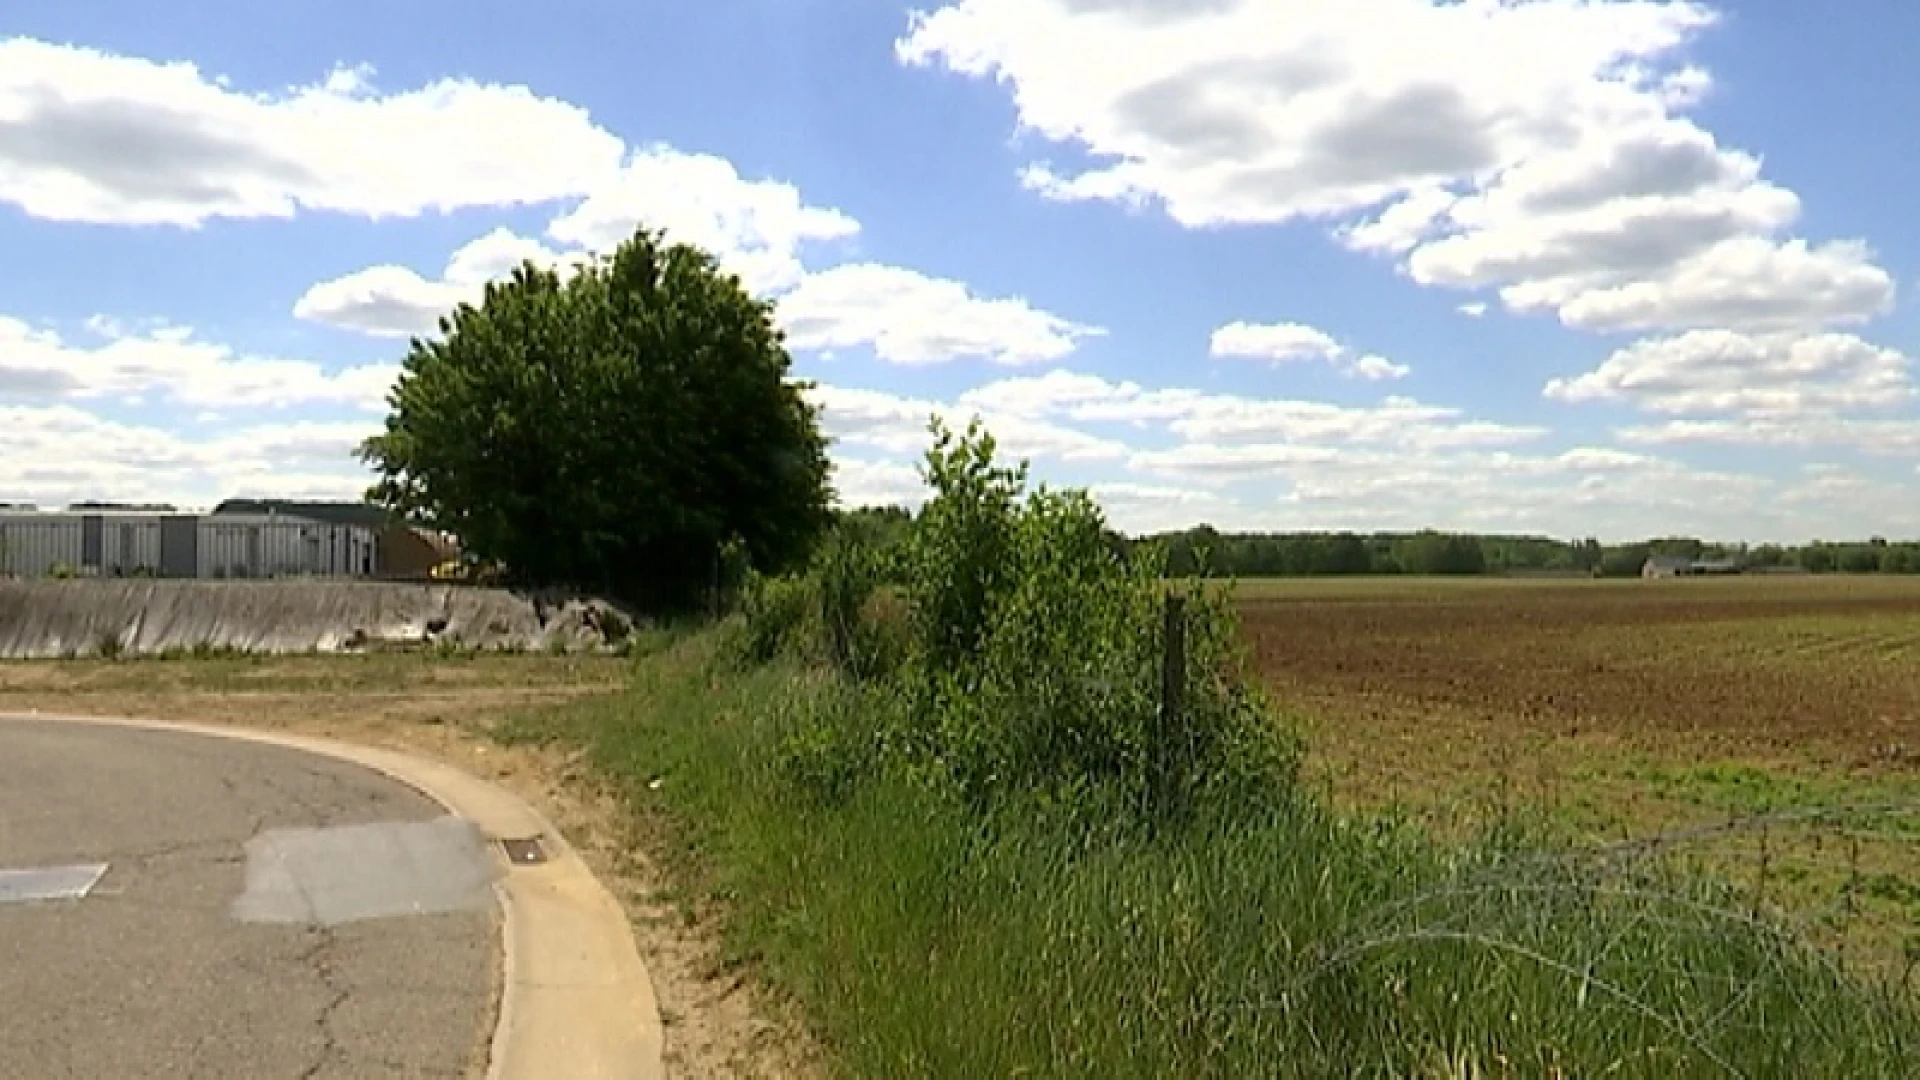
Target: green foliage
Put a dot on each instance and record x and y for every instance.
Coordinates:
(825, 615)
(833, 740)
(961, 560)
(1440, 553)
(1432, 552)
(885, 530)
(1039, 651)
(613, 430)
(1624, 561)
(848, 571)
(774, 612)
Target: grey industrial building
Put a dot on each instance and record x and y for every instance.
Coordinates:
(235, 540)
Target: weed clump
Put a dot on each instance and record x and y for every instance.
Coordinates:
(1040, 656)
(1025, 655)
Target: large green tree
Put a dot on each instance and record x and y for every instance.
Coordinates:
(618, 429)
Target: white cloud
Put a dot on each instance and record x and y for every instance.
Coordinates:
(498, 254)
(1590, 490)
(128, 462)
(860, 482)
(1744, 283)
(1535, 148)
(899, 426)
(1057, 391)
(1204, 418)
(1374, 367)
(1403, 225)
(1155, 508)
(1288, 341)
(1250, 463)
(755, 227)
(1718, 371)
(1260, 111)
(1886, 438)
(910, 318)
(384, 301)
(174, 364)
(394, 301)
(1276, 341)
(91, 136)
(1474, 310)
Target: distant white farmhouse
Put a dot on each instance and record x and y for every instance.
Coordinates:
(1666, 566)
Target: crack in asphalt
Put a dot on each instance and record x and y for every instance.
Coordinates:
(319, 958)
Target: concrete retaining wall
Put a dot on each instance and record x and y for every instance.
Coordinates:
(47, 619)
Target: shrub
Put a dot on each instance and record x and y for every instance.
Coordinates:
(960, 554)
(1030, 656)
(1039, 652)
(773, 615)
(845, 578)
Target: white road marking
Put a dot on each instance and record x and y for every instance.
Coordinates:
(50, 883)
(354, 872)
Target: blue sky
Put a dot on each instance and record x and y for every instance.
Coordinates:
(1597, 268)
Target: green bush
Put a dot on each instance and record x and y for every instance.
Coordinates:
(1030, 656)
(848, 570)
(827, 615)
(774, 612)
(1039, 653)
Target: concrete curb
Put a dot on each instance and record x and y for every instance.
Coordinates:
(575, 998)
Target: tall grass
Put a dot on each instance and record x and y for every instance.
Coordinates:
(980, 855)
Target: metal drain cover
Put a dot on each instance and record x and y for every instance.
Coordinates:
(526, 851)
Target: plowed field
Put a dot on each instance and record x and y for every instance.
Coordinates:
(1825, 666)
(1631, 709)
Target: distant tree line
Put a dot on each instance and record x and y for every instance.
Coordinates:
(1428, 552)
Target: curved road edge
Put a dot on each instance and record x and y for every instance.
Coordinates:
(575, 998)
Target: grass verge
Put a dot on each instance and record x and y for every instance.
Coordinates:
(922, 937)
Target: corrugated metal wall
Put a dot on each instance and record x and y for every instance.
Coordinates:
(237, 546)
(226, 546)
(129, 546)
(31, 545)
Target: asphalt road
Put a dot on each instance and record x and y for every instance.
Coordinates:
(263, 913)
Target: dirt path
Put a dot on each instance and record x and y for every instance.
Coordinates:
(718, 1023)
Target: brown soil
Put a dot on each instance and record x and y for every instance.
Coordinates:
(1823, 670)
(1629, 709)
(718, 1024)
